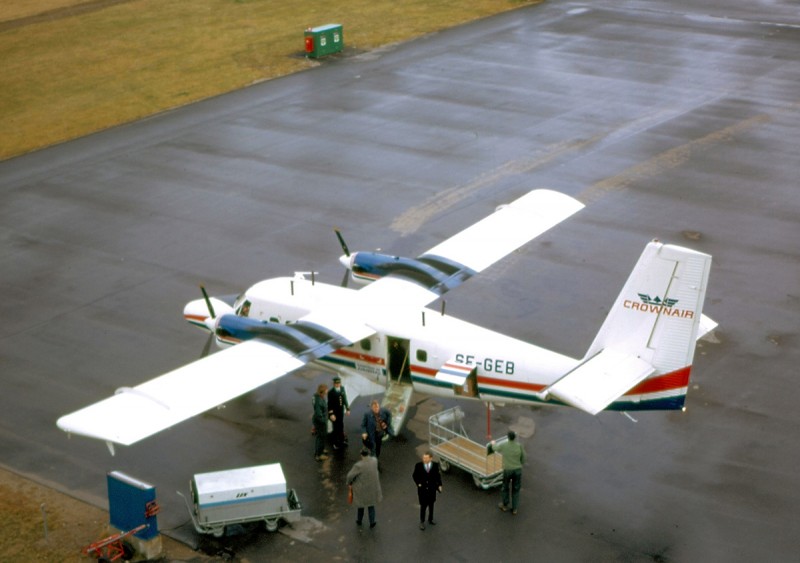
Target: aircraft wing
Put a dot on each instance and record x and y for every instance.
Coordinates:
(136, 413)
(452, 262)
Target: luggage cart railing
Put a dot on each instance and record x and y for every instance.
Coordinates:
(450, 442)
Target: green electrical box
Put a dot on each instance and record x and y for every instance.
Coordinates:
(324, 40)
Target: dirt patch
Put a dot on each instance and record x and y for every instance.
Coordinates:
(41, 524)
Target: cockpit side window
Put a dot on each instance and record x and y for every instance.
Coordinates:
(244, 310)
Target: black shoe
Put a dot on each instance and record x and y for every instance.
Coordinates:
(422, 525)
(432, 522)
(372, 525)
(358, 523)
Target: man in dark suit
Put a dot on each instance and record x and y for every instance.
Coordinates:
(429, 481)
(337, 408)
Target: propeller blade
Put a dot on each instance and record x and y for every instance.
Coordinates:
(346, 278)
(207, 346)
(341, 242)
(208, 303)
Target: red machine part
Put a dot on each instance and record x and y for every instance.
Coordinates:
(112, 548)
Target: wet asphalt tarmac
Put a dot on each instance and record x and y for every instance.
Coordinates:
(670, 120)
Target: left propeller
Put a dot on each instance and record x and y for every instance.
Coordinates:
(208, 302)
(205, 313)
(345, 258)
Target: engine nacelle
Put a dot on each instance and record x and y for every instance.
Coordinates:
(432, 272)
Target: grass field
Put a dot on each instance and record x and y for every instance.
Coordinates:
(72, 67)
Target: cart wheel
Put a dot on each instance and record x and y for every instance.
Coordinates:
(444, 465)
(218, 532)
(272, 524)
(477, 481)
(127, 551)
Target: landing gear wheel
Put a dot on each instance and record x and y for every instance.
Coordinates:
(218, 532)
(272, 524)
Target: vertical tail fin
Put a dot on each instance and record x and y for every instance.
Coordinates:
(657, 315)
(642, 356)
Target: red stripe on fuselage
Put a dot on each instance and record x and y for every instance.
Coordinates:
(521, 385)
(667, 382)
(359, 356)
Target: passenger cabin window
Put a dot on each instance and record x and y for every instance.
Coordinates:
(422, 356)
(274, 320)
(366, 344)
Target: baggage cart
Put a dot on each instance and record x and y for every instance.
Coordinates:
(238, 496)
(450, 442)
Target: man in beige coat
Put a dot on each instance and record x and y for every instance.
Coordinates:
(366, 483)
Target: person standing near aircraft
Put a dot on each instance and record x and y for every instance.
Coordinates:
(320, 421)
(513, 459)
(366, 483)
(429, 481)
(337, 408)
(375, 424)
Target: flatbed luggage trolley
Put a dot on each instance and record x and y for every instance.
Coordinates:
(238, 496)
(449, 441)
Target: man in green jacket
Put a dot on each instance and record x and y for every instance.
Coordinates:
(513, 458)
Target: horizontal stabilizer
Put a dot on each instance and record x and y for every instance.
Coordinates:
(707, 324)
(597, 382)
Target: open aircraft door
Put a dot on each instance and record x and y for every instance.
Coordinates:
(462, 377)
(398, 381)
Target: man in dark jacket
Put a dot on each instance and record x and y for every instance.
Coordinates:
(337, 408)
(376, 423)
(320, 421)
(429, 481)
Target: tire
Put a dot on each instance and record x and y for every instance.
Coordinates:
(272, 524)
(127, 551)
(218, 532)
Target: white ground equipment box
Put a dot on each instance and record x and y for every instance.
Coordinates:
(236, 496)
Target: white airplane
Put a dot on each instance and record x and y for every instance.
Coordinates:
(382, 338)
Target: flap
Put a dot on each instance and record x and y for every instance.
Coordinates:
(596, 383)
(454, 372)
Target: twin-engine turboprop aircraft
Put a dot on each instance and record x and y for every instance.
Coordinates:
(381, 338)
